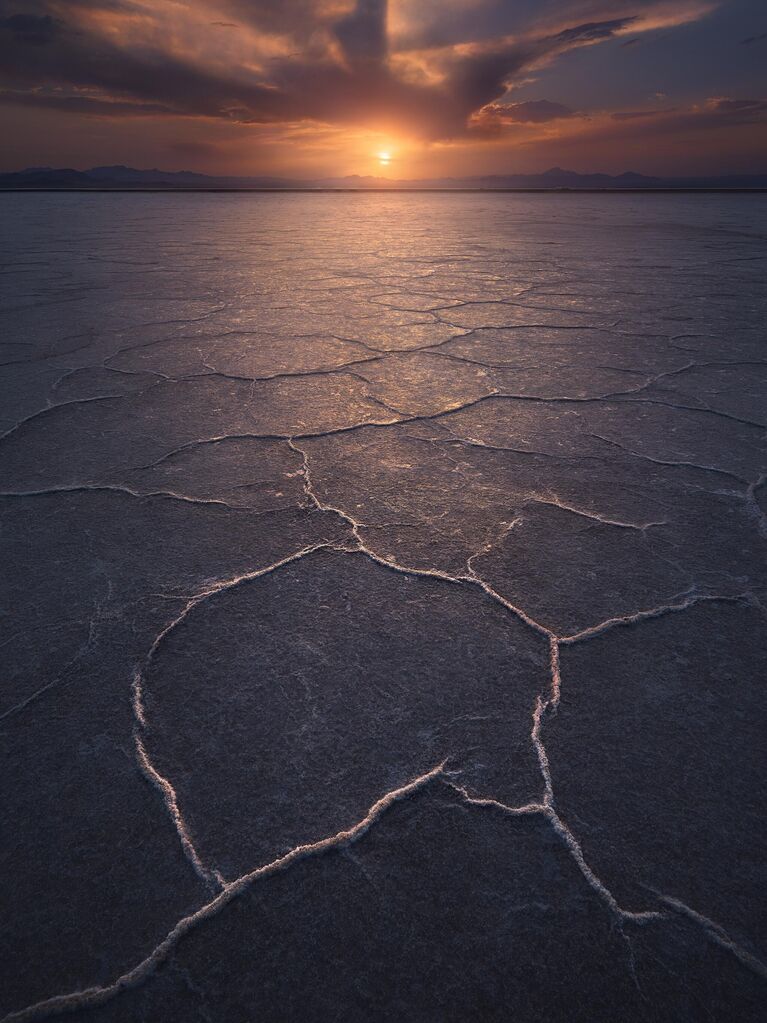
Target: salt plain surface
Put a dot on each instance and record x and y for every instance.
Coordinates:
(384, 607)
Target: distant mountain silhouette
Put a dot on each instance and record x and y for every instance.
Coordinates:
(119, 177)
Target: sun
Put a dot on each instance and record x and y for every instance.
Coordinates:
(384, 157)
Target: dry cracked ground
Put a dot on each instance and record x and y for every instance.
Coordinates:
(384, 608)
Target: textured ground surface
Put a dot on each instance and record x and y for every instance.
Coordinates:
(384, 608)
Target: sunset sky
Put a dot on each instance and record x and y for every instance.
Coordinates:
(408, 88)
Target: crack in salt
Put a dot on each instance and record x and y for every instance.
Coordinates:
(716, 933)
(210, 876)
(66, 674)
(97, 995)
(653, 612)
(753, 506)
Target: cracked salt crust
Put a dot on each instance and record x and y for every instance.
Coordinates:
(541, 398)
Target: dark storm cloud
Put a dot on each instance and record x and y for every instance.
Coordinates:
(593, 31)
(362, 33)
(298, 18)
(81, 104)
(482, 77)
(531, 112)
(30, 28)
(76, 59)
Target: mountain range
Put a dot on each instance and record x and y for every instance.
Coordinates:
(120, 178)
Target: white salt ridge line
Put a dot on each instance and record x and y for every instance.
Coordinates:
(82, 652)
(471, 577)
(753, 505)
(661, 461)
(432, 573)
(94, 996)
(550, 813)
(77, 488)
(554, 502)
(540, 750)
(599, 887)
(211, 877)
(231, 582)
(524, 810)
(546, 807)
(50, 408)
(546, 810)
(556, 677)
(717, 934)
(507, 528)
(653, 612)
(137, 699)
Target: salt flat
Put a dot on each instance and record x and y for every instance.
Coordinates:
(384, 607)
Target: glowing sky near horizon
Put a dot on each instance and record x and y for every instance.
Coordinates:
(408, 88)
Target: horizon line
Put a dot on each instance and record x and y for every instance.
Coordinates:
(382, 189)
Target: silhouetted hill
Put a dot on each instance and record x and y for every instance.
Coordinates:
(120, 177)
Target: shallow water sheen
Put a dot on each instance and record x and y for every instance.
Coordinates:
(384, 607)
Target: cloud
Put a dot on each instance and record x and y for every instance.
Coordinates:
(323, 61)
(537, 111)
(362, 33)
(82, 104)
(715, 115)
(595, 31)
(498, 119)
(742, 110)
(30, 28)
(634, 115)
